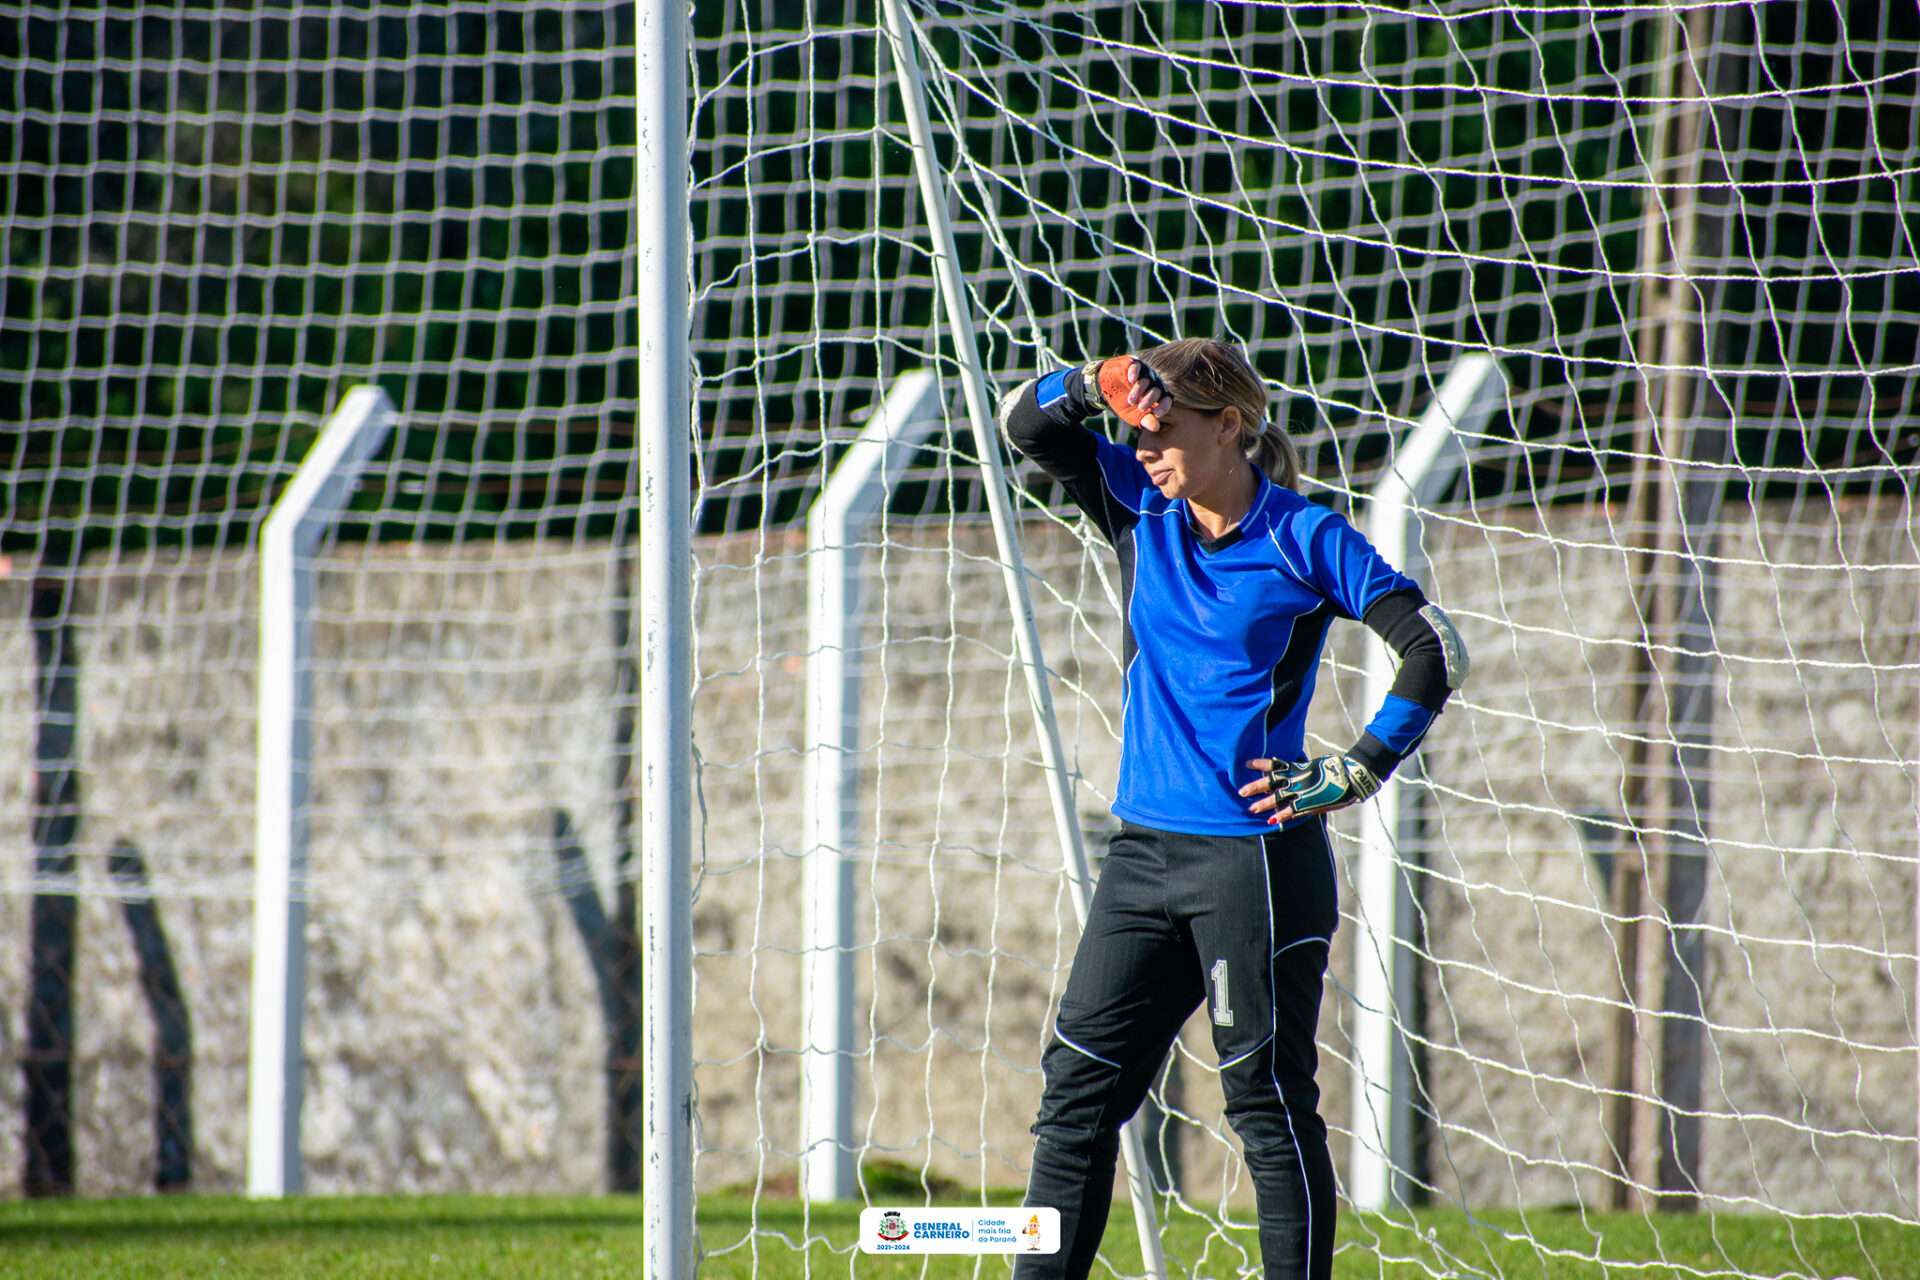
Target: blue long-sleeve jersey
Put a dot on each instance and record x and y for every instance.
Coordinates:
(1222, 637)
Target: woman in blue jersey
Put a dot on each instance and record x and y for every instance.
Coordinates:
(1219, 888)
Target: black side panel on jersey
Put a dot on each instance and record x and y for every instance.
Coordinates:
(1296, 661)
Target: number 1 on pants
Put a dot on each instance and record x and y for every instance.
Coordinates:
(1222, 1008)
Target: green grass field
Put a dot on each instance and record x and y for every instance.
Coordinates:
(212, 1238)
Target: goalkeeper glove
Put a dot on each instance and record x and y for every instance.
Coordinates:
(1320, 785)
(1106, 385)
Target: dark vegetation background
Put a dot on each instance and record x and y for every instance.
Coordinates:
(220, 216)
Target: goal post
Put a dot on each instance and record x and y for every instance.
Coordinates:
(320, 491)
(1423, 465)
(664, 476)
(838, 527)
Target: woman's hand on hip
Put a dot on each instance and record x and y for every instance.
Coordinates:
(1320, 785)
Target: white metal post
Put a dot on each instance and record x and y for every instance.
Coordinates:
(973, 382)
(836, 528)
(1422, 467)
(666, 637)
(320, 490)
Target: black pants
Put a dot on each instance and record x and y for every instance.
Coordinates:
(1242, 923)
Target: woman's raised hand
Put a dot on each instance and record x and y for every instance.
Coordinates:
(1130, 388)
(1147, 393)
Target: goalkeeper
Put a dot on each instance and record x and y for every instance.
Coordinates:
(1219, 888)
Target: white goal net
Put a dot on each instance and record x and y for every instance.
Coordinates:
(1661, 852)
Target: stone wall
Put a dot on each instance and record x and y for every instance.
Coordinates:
(464, 695)
(1809, 990)
(452, 1030)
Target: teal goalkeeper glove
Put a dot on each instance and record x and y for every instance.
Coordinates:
(1321, 785)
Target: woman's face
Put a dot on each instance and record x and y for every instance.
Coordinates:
(1190, 453)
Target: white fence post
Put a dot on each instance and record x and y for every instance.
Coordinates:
(1422, 467)
(973, 382)
(665, 464)
(836, 528)
(320, 490)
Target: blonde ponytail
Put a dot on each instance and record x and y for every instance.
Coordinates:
(1273, 452)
